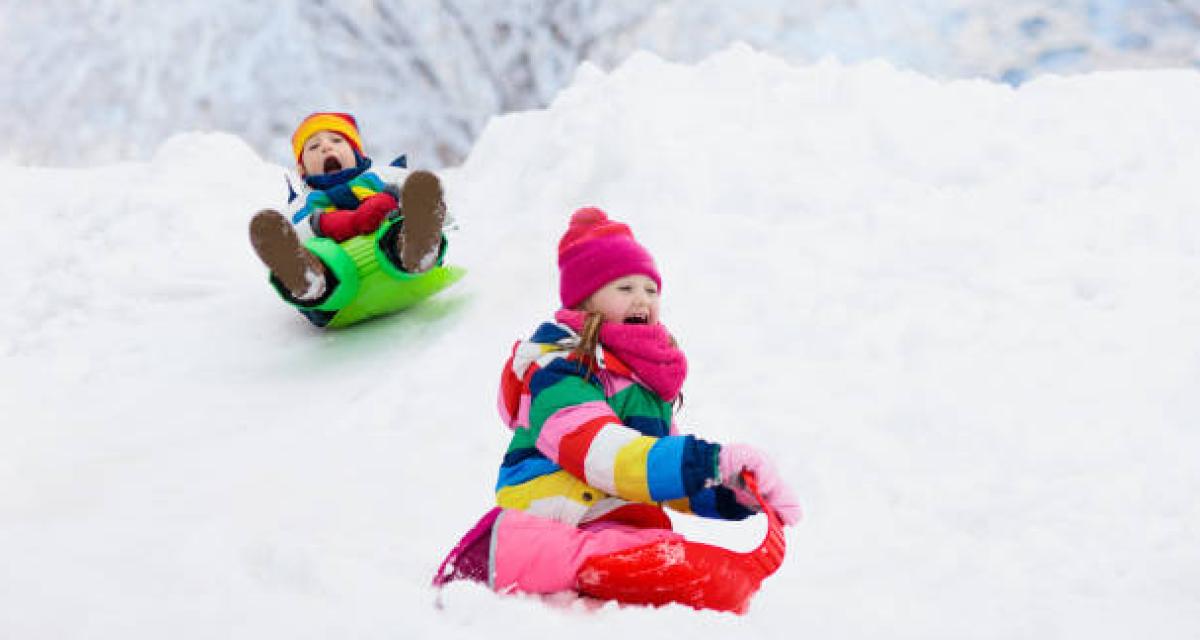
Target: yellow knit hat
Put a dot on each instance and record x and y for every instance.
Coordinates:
(342, 123)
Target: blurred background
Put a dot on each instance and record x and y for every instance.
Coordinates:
(87, 82)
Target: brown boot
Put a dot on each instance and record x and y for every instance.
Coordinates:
(296, 268)
(424, 213)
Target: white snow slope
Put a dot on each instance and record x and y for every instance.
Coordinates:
(963, 318)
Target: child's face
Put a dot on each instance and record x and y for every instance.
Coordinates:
(631, 300)
(326, 152)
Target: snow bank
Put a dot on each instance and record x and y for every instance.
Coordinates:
(962, 316)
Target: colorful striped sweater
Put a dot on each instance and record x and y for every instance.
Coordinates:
(588, 446)
(346, 195)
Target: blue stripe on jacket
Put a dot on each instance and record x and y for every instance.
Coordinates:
(649, 425)
(548, 333)
(555, 371)
(524, 471)
(662, 466)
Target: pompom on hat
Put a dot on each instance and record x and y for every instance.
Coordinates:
(342, 123)
(595, 251)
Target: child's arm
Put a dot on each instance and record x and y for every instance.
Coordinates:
(576, 428)
(714, 502)
(315, 204)
(340, 225)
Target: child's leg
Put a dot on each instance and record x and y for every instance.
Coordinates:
(390, 240)
(531, 554)
(295, 267)
(470, 559)
(424, 213)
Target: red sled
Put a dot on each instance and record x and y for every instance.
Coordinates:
(690, 573)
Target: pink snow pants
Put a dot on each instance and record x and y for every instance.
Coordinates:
(531, 554)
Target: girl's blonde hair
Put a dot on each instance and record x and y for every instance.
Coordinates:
(589, 339)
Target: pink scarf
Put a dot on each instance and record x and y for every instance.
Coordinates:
(645, 348)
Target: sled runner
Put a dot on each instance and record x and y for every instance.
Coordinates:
(691, 573)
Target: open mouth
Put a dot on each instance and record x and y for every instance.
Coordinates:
(637, 320)
(332, 165)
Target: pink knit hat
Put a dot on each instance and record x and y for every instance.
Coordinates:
(595, 251)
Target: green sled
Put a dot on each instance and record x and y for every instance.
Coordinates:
(368, 284)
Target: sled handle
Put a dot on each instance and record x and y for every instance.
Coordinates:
(768, 556)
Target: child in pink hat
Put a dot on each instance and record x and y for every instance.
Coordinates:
(595, 454)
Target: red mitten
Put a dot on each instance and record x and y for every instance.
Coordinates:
(338, 225)
(372, 211)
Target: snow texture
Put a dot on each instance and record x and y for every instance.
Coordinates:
(316, 285)
(109, 80)
(961, 316)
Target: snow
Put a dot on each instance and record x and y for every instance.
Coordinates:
(960, 315)
(96, 82)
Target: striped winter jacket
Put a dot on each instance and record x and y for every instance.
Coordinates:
(346, 189)
(588, 447)
(347, 195)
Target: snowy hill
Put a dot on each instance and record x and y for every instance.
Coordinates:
(961, 315)
(88, 83)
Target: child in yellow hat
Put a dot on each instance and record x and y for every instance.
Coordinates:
(345, 197)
